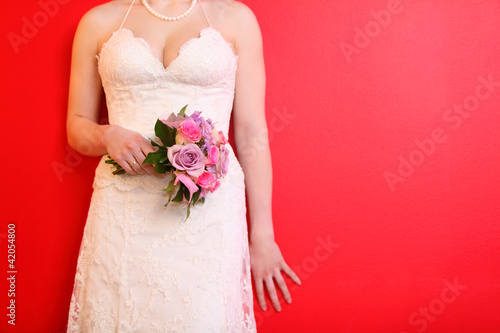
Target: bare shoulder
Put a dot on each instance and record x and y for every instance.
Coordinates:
(232, 11)
(103, 19)
(235, 18)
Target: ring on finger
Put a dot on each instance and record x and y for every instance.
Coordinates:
(133, 163)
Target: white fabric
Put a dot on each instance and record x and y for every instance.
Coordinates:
(141, 268)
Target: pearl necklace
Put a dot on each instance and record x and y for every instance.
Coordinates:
(168, 18)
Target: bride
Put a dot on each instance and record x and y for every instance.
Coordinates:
(141, 268)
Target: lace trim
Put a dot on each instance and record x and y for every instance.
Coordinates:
(204, 32)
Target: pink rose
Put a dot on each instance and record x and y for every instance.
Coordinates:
(187, 157)
(216, 186)
(189, 132)
(208, 183)
(212, 156)
(221, 139)
(206, 180)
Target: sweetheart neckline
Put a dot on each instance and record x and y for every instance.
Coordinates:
(179, 53)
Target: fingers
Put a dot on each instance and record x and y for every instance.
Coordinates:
(124, 148)
(130, 165)
(136, 166)
(272, 293)
(259, 290)
(271, 288)
(295, 278)
(146, 148)
(126, 165)
(284, 289)
(136, 158)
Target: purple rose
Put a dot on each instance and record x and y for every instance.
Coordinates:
(187, 157)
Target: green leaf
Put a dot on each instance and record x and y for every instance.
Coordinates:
(164, 159)
(188, 212)
(185, 190)
(178, 197)
(196, 196)
(161, 168)
(154, 144)
(155, 157)
(181, 112)
(169, 199)
(165, 134)
(170, 189)
(170, 186)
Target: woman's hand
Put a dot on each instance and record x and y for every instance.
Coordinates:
(129, 149)
(267, 263)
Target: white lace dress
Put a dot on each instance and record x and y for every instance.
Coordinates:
(141, 268)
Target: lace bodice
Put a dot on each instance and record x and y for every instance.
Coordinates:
(139, 89)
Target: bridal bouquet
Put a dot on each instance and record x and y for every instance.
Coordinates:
(194, 153)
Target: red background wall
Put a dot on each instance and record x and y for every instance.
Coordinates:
(382, 245)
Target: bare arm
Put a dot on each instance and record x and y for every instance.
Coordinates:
(85, 93)
(252, 143)
(85, 135)
(251, 128)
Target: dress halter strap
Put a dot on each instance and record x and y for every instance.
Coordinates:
(128, 11)
(133, 1)
(204, 14)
